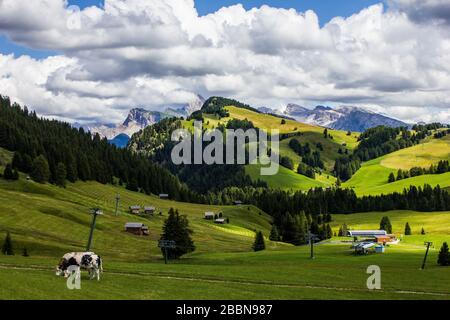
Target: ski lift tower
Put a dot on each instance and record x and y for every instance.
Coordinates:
(166, 244)
(95, 212)
(311, 237)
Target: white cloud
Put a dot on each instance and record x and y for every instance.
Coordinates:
(157, 52)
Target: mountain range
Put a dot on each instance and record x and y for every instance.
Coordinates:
(349, 118)
(341, 118)
(138, 119)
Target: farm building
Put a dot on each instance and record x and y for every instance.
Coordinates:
(220, 221)
(137, 228)
(237, 203)
(209, 216)
(135, 209)
(149, 210)
(163, 196)
(366, 233)
(389, 238)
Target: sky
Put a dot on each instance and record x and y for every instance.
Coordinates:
(92, 60)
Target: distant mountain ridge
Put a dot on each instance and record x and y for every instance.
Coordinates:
(341, 118)
(140, 118)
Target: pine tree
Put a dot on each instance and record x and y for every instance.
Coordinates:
(259, 243)
(329, 232)
(25, 252)
(274, 235)
(391, 178)
(340, 232)
(407, 230)
(7, 248)
(385, 224)
(40, 171)
(423, 231)
(176, 228)
(8, 173)
(61, 175)
(132, 185)
(444, 255)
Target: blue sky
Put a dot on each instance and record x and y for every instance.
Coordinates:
(325, 9)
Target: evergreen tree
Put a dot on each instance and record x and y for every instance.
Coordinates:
(329, 232)
(407, 230)
(444, 255)
(294, 228)
(7, 248)
(25, 252)
(274, 235)
(385, 224)
(15, 175)
(259, 243)
(61, 175)
(423, 231)
(176, 228)
(8, 173)
(40, 171)
(132, 185)
(391, 178)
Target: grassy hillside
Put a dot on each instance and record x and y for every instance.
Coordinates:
(436, 224)
(5, 157)
(287, 179)
(372, 178)
(50, 221)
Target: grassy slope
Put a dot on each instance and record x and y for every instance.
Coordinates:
(373, 175)
(436, 224)
(287, 179)
(50, 221)
(5, 157)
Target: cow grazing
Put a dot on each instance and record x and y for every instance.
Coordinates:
(83, 260)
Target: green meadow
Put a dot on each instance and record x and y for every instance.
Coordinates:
(372, 178)
(50, 221)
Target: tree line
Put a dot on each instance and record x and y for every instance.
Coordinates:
(53, 151)
(442, 167)
(280, 204)
(378, 141)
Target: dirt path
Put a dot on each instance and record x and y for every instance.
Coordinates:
(234, 281)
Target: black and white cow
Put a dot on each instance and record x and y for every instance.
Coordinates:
(83, 260)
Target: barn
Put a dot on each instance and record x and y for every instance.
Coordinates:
(149, 210)
(366, 233)
(137, 228)
(163, 196)
(237, 203)
(135, 209)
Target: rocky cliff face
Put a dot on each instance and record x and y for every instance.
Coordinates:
(341, 118)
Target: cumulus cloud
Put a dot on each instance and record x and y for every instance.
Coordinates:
(426, 11)
(156, 52)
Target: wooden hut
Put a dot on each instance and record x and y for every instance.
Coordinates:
(137, 228)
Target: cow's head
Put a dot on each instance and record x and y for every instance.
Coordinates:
(61, 267)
